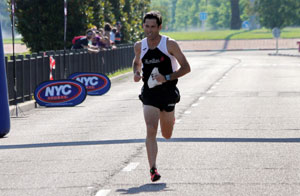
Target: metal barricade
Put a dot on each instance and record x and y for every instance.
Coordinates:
(35, 68)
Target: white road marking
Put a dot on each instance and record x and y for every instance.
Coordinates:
(195, 104)
(130, 166)
(188, 112)
(201, 98)
(103, 192)
(208, 92)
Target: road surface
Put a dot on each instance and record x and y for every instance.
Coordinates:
(237, 133)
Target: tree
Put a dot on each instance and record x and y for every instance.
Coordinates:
(108, 12)
(296, 21)
(279, 13)
(218, 14)
(194, 14)
(173, 8)
(164, 7)
(117, 9)
(182, 13)
(4, 16)
(235, 15)
(95, 14)
(134, 10)
(41, 22)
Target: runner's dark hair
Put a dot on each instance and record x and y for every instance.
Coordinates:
(153, 15)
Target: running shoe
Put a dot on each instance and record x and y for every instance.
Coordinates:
(155, 176)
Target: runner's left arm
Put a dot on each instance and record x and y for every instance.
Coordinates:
(174, 49)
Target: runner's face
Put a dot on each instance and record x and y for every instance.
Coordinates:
(151, 28)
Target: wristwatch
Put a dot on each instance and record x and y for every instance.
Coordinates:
(168, 77)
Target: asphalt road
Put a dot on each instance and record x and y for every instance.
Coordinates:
(237, 133)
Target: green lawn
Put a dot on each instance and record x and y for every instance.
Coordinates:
(9, 41)
(232, 34)
(119, 72)
(219, 35)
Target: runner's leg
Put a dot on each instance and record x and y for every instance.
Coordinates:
(167, 123)
(151, 115)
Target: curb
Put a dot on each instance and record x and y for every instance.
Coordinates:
(22, 107)
(233, 50)
(291, 55)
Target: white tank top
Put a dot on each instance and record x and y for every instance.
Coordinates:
(162, 46)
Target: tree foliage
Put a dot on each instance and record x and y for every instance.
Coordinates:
(4, 16)
(164, 8)
(41, 22)
(224, 14)
(135, 11)
(296, 20)
(279, 13)
(219, 14)
(184, 14)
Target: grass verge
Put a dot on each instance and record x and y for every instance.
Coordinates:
(119, 72)
(9, 41)
(286, 33)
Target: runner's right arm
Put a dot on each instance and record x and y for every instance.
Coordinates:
(137, 64)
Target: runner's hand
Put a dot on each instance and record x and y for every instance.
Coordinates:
(137, 76)
(159, 78)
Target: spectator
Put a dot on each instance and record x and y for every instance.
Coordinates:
(86, 42)
(101, 31)
(98, 41)
(113, 34)
(107, 30)
(118, 35)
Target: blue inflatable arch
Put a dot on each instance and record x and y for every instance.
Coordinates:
(4, 106)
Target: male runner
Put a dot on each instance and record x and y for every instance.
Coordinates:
(157, 56)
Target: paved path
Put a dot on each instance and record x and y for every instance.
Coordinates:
(257, 44)
(19, 48)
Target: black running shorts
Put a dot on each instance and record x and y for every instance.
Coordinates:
(162, 98)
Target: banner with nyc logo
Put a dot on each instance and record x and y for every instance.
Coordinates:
(95, 83)
(60, 93)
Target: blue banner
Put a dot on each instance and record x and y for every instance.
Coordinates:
(4, 106)
(95, 83)
(57, 93)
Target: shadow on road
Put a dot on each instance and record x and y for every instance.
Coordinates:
(132, 141)
(227, 40)
(155, 187)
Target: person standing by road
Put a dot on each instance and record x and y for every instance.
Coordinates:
(156, 57)
(118, 35)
